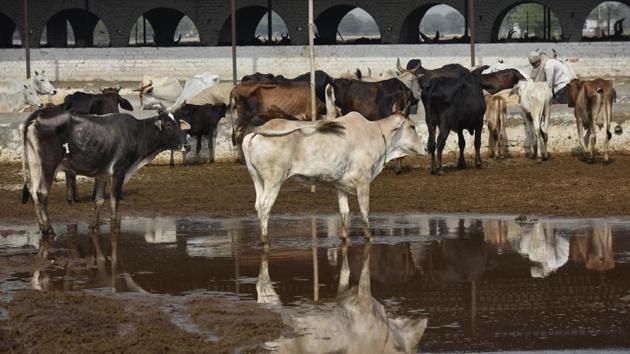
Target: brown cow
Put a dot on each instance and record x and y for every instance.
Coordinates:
(594, 248)
(266, 100)
(496, 113)
(592, 101)
(501, 80)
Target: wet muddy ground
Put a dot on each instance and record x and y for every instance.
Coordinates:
(564, 186)
(184, 272)
(191, 285)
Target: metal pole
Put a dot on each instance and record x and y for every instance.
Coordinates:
(269, 24)
(233, 41)
(315, 259)
(311, 47)
(144, 29)
(26, 41)
(471, 23)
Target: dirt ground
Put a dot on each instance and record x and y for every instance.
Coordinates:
(562, 186)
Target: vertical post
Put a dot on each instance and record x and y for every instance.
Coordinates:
(471, 23)
(144, 29)
(311, 49)
(466, 25)
(269, 24)
(315, 260)
(544, 22)
(86, 31)
(26, 41)
(608, 21)
(233, 17)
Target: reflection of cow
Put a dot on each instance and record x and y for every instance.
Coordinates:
(594, 248)
(547, 250)
(82, 271)
(389, 264)
(357, 323)
(463, 259)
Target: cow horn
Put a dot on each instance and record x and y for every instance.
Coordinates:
(399, 66)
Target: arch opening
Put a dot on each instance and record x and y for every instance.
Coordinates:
(527, 22)
(608, 21)
(164, 27)
(9, 33)
(276, 34)
(75, 28)
(344, 24)
(435, 23)
(252, 28)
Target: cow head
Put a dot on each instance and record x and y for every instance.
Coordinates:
(403, 138)
(30, 97)
(409, 78)
(172, 132)
(42, 85)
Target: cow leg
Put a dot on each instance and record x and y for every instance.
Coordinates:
(530, 139)
(118, 180)
(478, 146)
(71, 188)
(398, 166)
(266, 202)
(461, 141)
(587, 141)
(441, 142)
(431, 147)
(491, 141)
(342, 198)
(184, 159)
(210, 148)
(198, 148)
(172, 163)
(99, 200)
(607, 138)
(363, 196)
(580, 129)
(593, 141)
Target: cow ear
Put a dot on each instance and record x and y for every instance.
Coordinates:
(183, 125)
(158, 124)
(36, 73)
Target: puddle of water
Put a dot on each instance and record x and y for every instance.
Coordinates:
(484, 283)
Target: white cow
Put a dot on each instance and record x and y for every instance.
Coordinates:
(217, 94)
(348, 152)
(40, 84)
(535, 101)
(16, 102)
(154, 90)
(195, 86)
(547, 249)
(355, 324)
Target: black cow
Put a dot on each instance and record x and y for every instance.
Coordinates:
(454, 103)
(321, 80)
(203, 120)
(102, 103)
(112, 147)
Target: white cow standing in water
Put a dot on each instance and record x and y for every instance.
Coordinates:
(348, 152)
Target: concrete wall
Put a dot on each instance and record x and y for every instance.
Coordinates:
(130, 64)
(562, 135)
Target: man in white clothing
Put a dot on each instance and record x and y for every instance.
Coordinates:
(553, 72)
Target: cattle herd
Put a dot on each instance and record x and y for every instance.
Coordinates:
(361, 124)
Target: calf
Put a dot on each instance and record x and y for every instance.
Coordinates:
(454, 104)
(348, 152)
(112, 147)
(203, 120)
(496, 113)
(290, 100)
(593, 102)
(103, 103)
(17, 102)
(535, 101)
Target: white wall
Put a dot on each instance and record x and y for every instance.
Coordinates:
(129, 64)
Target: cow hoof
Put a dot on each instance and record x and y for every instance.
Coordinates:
(398, 172)
(479, 167)
(545, 158)
(461, 166)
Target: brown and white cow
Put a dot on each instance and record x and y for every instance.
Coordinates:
(592, 101)
(594, 247)
(269, 100)
(348, 152)
(496, 113)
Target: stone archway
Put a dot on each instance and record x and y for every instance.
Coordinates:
(75, 27)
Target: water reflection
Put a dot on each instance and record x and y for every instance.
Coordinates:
(485, 282)
(355, 323)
